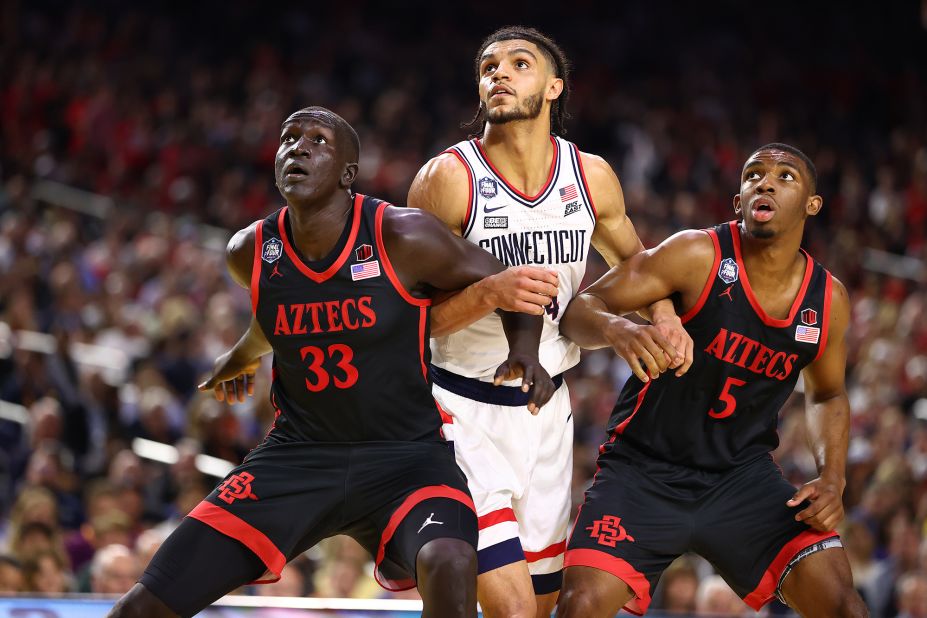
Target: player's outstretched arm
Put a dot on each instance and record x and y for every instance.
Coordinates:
(616, 240)
(232, 378)
(426, 254)
(679, 266)
(827, 411)
(442, 187)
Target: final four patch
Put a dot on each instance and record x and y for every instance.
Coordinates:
(728, 271)
(488, 187)
(271, 250)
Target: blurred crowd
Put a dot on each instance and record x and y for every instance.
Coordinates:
(173, 118)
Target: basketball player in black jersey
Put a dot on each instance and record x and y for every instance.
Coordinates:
(340, 288)
(687, 466)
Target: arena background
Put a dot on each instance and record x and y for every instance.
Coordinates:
(135, 140)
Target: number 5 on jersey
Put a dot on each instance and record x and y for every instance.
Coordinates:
(730, 403)
(322, 378)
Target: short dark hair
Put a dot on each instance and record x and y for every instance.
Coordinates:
(812, 171)
(339, 124)
(553, 54)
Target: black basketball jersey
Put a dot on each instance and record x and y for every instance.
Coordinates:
(350, 343)
(724, 411)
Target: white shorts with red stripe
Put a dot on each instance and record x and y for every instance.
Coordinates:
(518, 468)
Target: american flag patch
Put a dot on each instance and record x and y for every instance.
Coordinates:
(807, 334)
(366, 270)
(568, 193)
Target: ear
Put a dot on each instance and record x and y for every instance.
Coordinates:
(814, 205)
(554, 89)
(737, 204)
(349, 174)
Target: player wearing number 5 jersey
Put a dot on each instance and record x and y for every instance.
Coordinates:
(687, 464)
(340, 287)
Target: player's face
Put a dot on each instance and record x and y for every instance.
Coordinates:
(775, 194)
(516, 81)
(308, 162)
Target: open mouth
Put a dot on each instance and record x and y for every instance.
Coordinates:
(295, 171)
(763, 210)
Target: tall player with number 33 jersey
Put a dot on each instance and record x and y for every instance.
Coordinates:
(687, 464)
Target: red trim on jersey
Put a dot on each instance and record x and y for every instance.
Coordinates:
(496, 517)
(825, 319)
(256, 266)
(446, 418)
(551, 551)
(550, 174)
(766, 589)
(422, 339)
(466, 221)
(582, 174)
(703, 297)
(416, 497)
(388, 266)
(617, 567)
(637, 406)
(799, 298)
(233, 526)
(345, 251)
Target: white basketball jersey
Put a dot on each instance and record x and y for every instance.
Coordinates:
(552, 230)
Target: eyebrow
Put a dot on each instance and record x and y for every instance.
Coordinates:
(300, 117)
(517, 50)
(756, 163)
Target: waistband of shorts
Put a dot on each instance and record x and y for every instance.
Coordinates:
(484, 392)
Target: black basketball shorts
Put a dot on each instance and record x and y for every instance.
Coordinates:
(641, 514)
(392, 497)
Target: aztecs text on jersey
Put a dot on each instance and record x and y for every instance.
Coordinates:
(350, 343)
(724, 411)
(552, 229)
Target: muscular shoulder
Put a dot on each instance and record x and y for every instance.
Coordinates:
(600, 178)
(687, 258)
(839, 305)
(239, 255)
(407, 229)
(442, 187)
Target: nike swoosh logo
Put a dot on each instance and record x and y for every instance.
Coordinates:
(488, 210)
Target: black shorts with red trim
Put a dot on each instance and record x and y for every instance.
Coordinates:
(641, 514)
(392, 497)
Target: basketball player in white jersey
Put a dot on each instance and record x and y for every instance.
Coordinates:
(535, 202)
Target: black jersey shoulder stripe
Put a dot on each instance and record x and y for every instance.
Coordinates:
(471, 193)
(577, 163)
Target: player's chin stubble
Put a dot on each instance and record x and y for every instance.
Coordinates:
(529, 110)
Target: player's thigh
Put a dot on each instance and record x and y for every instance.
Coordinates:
(631, 526)
(821, 584)
(746, 530)
(196, 565)
(590, 593)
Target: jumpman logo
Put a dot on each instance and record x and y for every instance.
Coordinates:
(275, 271)
(727, 292)
(429, 520)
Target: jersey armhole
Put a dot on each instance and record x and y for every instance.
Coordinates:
(466, 224)
(388, 266)
(256, 266)
(582, 178)
(703, 297)
(825, 326)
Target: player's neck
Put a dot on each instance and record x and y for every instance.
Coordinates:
(773, 259)
(317, 226)
(521, 151)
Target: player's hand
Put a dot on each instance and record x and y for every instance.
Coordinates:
(525, 289)
(645, 349)
(826, 508)
(232, 380)
(534, 379)
(673, 331)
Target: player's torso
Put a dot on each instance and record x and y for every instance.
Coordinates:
(724, 412)
(349, 341)
(552, 229)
